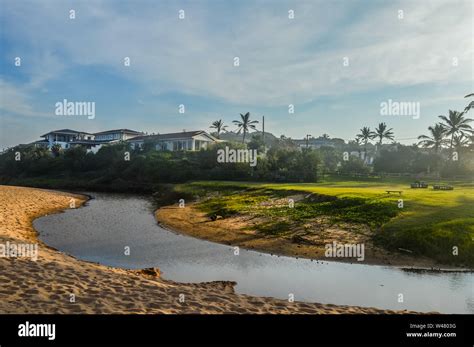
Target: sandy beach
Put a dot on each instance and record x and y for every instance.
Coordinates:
(58, 283)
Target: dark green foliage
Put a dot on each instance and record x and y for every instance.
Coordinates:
(147, 167)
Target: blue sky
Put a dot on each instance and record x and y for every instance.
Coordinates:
(190, 61)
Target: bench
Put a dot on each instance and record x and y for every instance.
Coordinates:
(418, 184)
(442, 187)
(394, 191)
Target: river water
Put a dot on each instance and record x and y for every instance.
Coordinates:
(102, 230)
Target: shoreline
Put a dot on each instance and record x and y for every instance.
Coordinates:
(191, 222)
(47, 285)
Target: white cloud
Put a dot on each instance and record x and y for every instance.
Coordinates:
(282, 60)
(16, 101)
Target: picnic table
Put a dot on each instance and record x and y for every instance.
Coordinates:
(442, 187)
(394, 191)
(419, 184)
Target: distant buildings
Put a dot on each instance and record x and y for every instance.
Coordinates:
(63, 137)
(319, 142)
(183, 141)
(117, 135)
(67, 138)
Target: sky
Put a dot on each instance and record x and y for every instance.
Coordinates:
(335, 61)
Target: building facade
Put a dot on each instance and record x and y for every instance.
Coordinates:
(183, 141)
(64, 137)
(117, 135)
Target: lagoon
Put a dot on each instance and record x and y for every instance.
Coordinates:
(102, 229)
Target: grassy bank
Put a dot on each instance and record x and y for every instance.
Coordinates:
(430, 223)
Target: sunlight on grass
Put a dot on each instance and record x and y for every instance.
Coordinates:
(430, 223)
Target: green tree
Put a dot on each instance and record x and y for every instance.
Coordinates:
(436, 138)
(470, 105)
(460, 141)
(56, 149)
(381, 132)
(455, 124)
(245, 124)
(365, 136)
(257, 143)
(219, 126)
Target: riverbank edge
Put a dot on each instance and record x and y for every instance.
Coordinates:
(184, 226)
(108, 287)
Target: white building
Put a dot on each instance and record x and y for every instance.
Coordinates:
(64, 137)
(67, 138)
(117, 135)
(183, 141)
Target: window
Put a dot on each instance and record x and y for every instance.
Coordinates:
(179, 145)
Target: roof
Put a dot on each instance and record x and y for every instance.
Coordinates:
(66, 131)
(128, 131)
(172, 136)
(86, 142)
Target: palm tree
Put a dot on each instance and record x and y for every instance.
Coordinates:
(435, 139)
(219, 126)
(461, 141)
(471, 104)
(456, 124)
(365, 136)
(245, 124)
(358, 142)
(471, 138)
(381, 132)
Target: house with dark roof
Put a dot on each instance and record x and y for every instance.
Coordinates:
(182, 141)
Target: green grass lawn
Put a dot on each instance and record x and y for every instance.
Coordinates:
(430, 223)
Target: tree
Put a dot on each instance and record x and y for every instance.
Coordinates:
(365, 136)
(245, 124)
(471, 104)
(381, 132)
(56, 149)
(40, 152)
(436, 138)
(471, 145)
(460, 141)
(357, 141)
(219, 126)
(455, 124)
(257, 143)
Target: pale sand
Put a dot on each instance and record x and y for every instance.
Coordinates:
(45, 286)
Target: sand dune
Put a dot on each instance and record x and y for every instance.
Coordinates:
(47, 284)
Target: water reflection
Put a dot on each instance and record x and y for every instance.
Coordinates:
(100, 231)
